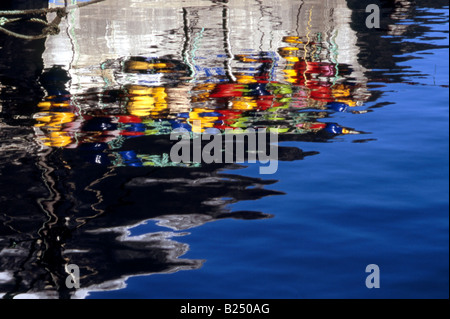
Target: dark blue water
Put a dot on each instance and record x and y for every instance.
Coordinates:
(141, 227)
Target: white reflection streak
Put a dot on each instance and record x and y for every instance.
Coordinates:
(227, 41)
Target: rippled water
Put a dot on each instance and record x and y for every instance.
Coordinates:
(361, 116)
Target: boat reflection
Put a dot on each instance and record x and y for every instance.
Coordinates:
(100, 161)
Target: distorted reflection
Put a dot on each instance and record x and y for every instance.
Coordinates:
(114, 85)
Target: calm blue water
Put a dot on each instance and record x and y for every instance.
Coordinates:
(378, 197)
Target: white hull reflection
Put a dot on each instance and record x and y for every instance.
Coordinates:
(118, 29)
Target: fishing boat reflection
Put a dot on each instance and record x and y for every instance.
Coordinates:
(137, 110)
(102, 165)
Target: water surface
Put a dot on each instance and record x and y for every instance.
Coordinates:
(361, 116)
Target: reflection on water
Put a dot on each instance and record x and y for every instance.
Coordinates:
(284, 83)
(90, 140)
